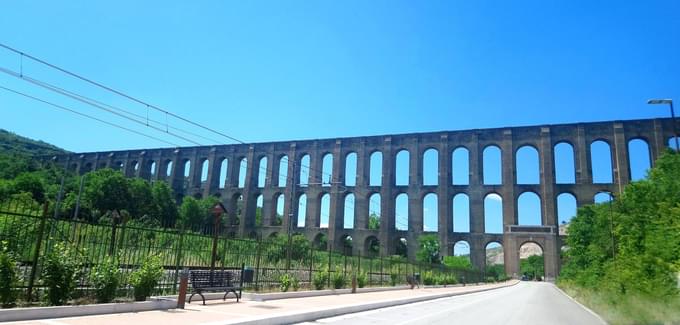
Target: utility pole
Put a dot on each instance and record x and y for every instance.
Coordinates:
(291, 214)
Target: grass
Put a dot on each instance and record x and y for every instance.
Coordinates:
(625, 309)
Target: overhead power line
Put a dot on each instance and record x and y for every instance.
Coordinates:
(117, 92)
(84, 115)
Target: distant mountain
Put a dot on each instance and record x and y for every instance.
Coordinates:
(495, 255)
(12, 144)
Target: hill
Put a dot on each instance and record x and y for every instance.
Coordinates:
(14, 144)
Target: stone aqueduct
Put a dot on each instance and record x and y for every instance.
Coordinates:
(168, 164)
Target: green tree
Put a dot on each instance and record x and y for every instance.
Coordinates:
(373, 221)
(191, 214)
(532, 266)
(30, 183)
(107, 190)
(141, 199)
(428, 251)
(164, 199)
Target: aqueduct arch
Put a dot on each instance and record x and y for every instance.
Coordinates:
(240, 174)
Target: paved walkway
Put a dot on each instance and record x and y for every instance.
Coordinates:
(283, 311)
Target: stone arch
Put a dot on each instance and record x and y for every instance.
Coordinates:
(346, 244)
(242, 171)
(639, 158)
(302, 210)
(462, 248)
(494, 260)
(401, 213)
(283, 171)
(531, 268)
(430, 212)
(327, 169)
(401, 246)
(277, 213)
(168, 168)
(320, 241)
(372, 246)
(351, 169)
(492, 165)
(601, 162)
(204, 170)
(402, 166)
(152, 167)
(305, 163)
(375, 168)
(460, 166)
(325, 210)
(262, 172)
(259, 210)
(527, 165)
(430, 167)
(224, 164)
(565, 163)
(529, 209)
(461, 212)
(603, 197)
(374, 211)
(493, 213)
(349, 209)
(566, 208)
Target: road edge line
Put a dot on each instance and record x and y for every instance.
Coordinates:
(580, 304)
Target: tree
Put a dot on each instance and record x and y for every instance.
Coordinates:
(190, 213)
(141, 199)
(429, 249)
(107, 190)
(163, 198)
(30, 183)
(373, 221)
(532, 266)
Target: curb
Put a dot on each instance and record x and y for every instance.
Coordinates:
(347, 309)
(34, 313)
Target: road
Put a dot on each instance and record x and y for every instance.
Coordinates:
(525, 303)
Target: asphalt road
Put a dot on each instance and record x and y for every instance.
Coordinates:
(525, 303)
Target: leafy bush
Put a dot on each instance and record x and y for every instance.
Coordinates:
(393, 278)
(339, 279)
(60, 271)
(295, 283)
(361, 280)
(319, 280)
(105, 279)
(285, 281)
(450, 279)
(145, 279)
(8, 277)
(428, 278)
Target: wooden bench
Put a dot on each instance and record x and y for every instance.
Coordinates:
(217, 280)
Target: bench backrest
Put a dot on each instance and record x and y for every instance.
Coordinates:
(217, 278)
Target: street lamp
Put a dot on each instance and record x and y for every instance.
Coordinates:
(669, 102)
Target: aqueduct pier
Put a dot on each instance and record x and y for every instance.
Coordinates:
(266, 174)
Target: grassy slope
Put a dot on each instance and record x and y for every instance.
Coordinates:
(13, 144)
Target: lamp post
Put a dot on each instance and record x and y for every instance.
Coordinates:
(217, 211)
(669, 102)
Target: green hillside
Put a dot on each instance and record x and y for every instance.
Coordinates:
(13, 144)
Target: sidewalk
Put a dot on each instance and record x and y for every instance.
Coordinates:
(283, 311)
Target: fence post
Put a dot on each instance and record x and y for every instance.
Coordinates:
(381, 271)
(311, 265)
(112, 245)
(36, 254)
(257, 264)
(178, 256)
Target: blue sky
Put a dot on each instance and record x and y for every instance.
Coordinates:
(265, 71)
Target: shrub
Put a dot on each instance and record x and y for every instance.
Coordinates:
(59, 273)
(145, 279)
(339, 279)
(285, 282)
(361, 280)
(393, 278)
(319, 280)
(450, 279)
(8, 277)
(428, 278)
(105, 279)
(295, 283)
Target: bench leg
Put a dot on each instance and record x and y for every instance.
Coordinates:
(192, 295)
(235, 294)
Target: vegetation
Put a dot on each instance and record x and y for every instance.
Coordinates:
(429, 249)
(623, 260)
(361, 280)
(105, 278)
(285, 281)
(319, 280)
(459, 262)
(8, 277)
(339, 279)
(532, 267)
(373, 221)
(145, 279)
(60, 270)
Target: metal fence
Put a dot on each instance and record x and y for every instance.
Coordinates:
(30, 233)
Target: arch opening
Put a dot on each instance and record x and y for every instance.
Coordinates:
(601, 162)
(461, 213)
(402, 168)
(491, 165)
(531, 261)
(527, 165)
(351, 169)
(430, 213)
(283, 171)
(493, 214)
(375, 172)
(639, 158)
(374, 206)
(348, 216)
(324, 212)
(565, 170)
(460, 166)
(401, 212)
(327, 170)
(529, 209)
(302, 210)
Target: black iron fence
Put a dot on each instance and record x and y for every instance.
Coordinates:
(30, 233)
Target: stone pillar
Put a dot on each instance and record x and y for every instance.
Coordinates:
(415, 202)
(336, 216)
(656, 141)
(387, 232)
(547, 179)
(290, 208)
(249, 202)
(620, 153)
(444, 205)
(508, 177)
(511, 256)
(212, 182)
(313, 190)
(584, 173)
